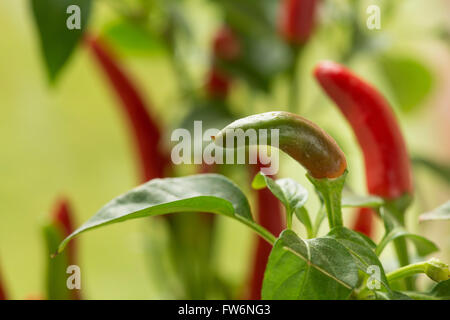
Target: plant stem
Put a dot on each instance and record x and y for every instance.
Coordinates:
(407, 271)
(260, 230)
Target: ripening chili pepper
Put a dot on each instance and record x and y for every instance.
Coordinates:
(226, 45)
(303, 140)
(145, 129)
(62, 218)
(2, 290)
(387, 164)
(297, 20)
(218, 83)
(364, 221)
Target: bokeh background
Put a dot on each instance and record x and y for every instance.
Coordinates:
(69, 140)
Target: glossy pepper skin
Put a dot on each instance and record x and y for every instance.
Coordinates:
(387, 165)
(297, 20)
(303, 140)
(144, 128)
(388, 168)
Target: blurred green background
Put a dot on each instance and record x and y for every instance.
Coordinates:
(70, 141)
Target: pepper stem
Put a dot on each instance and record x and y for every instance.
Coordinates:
(330, 192)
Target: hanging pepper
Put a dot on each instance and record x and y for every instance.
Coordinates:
(2, 291)
(303, 140)
(387, 164)
(297, 20)
(62, 219)
(225, 47)
(146, 132)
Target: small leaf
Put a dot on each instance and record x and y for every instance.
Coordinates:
(441, 290)
(411, 81)
(200, 193)
(423, 245)
(129, 38)
(57, 41)
(319, 268)
(292, 194)
(440, 213)
(359, 201)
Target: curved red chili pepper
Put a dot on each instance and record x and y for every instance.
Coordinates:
(387, 165)
(3, 295)
(146, 132)
(297, 20)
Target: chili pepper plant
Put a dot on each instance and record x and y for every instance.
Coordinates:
(257, 43)
(337, 265)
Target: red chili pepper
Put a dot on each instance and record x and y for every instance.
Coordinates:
(225, 45)
(387, 164)
(364, 221)
(146, 132)
(3, 295)
(297, 20)
(63, 218)
(218, 83)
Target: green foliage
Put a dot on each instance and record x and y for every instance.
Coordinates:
(290, 193)
(57, 41)
(201, 193)
(423, 245)
(302, 269)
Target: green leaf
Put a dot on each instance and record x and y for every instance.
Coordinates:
(362, 250)
(319, 268)
(292, 194)
(330, 192)
(200, 193)
(359, 201)
(56, 276)
(129, 38)
(57, 41)
(440, 213)
(411, 81)
(441, 290)
(423, 245)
